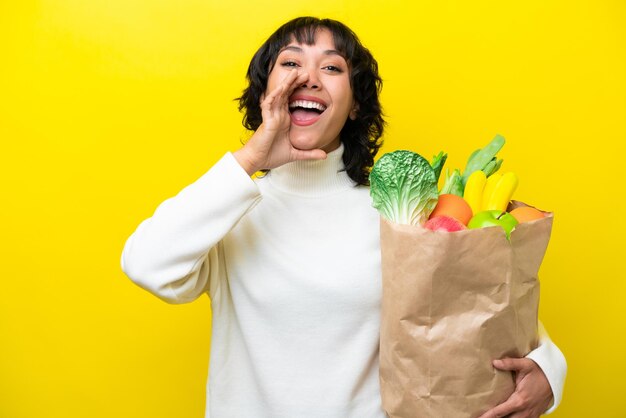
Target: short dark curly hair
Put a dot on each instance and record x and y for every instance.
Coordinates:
(361, 137)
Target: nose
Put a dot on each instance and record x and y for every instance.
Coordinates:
(310, 85)
(313, 81)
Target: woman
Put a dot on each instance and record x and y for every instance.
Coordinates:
(291, 260)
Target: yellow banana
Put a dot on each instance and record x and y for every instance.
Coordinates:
(474, 188)
(492, 181)
(503, 192)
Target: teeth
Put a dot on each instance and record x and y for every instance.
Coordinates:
(307, 104)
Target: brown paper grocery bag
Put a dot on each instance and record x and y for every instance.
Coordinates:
(452, 303)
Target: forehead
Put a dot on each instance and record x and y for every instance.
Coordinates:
(322, 39)
(311, 37)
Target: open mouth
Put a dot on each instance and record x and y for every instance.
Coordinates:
(305, 112)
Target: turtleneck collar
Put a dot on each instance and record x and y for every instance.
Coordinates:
(313, 177)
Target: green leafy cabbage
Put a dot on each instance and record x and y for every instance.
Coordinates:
(403, 187)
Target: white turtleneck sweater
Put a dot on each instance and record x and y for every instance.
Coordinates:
(291, 262)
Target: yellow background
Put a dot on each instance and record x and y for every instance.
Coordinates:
(108, 107)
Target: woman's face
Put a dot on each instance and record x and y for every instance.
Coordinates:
(320, 107)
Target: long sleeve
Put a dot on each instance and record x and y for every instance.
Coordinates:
(175, 253)
(552, 361)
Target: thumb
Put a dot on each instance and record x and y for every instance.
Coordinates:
(315, 154)
(510, 364)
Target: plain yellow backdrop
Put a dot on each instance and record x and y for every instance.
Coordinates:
(109, 107)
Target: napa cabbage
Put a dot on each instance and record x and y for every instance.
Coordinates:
(403, 187)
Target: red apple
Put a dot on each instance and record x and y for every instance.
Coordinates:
(444, 223)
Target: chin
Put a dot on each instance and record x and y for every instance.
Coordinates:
(307, 142)
(304, 142)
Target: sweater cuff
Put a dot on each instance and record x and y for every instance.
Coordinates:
(552, 362)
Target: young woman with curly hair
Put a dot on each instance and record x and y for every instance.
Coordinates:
(291, 259)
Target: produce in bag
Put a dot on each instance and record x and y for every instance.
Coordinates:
(452, 301)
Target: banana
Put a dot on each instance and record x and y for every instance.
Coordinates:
(492, 181)
(502, 192)
(473, 193)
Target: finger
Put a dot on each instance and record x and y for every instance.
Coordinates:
(289, 79)
(268, 103)
(512, 364)
(270, 99)
(302, 77)
(522, 414)
(277, 97)
(291, 83)
(511, 405)
(271, 96)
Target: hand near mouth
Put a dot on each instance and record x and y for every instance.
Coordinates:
(269, 147)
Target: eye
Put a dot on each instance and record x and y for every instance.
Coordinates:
(333, 69)
(289, 64)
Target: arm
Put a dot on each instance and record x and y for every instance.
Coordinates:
(552, 362)
(539, 380)
(173, 254)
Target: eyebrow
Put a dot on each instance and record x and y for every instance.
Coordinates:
(299, 50)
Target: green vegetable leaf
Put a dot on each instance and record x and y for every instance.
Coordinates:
(492, 166)
(438, 162)
(489, 166)
(453, 184)
(403, 187)
(472, 155)
(480, 159)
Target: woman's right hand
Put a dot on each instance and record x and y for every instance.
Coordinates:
(269, 147)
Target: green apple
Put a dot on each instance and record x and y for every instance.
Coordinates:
(492, 218)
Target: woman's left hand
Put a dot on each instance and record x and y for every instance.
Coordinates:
(532, 395)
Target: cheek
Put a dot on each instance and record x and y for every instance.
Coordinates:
(344, 99)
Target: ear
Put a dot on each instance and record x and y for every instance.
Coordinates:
(354, 112)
